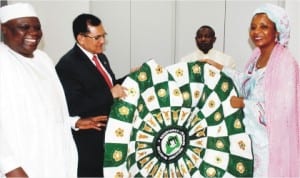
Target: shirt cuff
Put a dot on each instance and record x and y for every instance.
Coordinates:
(227, 70)
(73, 122)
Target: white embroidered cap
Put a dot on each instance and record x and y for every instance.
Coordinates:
(15, 11)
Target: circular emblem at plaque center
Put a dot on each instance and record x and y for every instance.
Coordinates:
(170, 144)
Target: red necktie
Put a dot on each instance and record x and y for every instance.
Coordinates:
(101, 70)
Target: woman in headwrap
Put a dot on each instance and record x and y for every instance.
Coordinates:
(270, 95)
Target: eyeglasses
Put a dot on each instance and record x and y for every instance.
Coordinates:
(96, 38)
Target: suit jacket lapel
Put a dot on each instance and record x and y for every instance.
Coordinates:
(84, 60)
(105, 63)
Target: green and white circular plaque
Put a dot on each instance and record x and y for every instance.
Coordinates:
(177, 122)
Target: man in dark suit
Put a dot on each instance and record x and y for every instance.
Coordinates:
(90, 87)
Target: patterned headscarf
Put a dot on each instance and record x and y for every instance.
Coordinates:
(279, 16)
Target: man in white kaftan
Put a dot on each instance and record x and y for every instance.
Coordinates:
(35, 132)
(35, 129)
(205, 38)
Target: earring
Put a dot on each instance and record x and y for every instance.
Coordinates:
(276, 38)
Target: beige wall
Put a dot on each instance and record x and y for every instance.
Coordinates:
(293, 9)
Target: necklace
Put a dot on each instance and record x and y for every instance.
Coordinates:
(261, 62)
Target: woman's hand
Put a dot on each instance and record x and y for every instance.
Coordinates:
(237, 102)
(213, 63)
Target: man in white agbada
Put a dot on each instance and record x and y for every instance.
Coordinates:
(205, 39)
(35, 129)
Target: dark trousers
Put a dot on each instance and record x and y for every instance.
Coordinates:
(90, 146)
